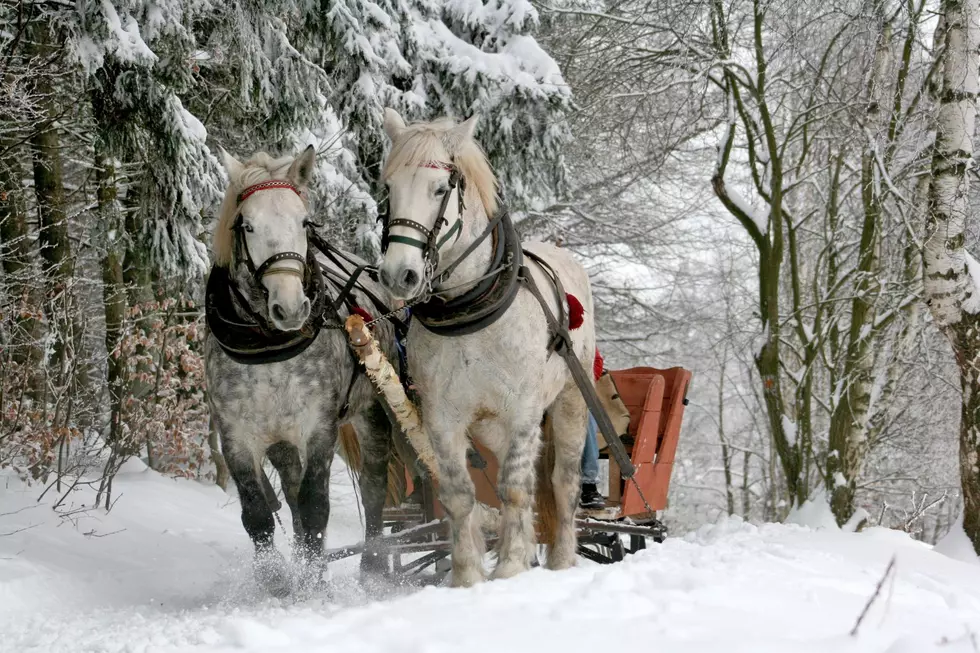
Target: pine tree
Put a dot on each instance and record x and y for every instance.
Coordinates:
(429, 59)
(136, 57)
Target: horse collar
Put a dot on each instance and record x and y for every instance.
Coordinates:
(489, 299)
(244, 334)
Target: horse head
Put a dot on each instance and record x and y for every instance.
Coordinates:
(433, 172)
(262, 232)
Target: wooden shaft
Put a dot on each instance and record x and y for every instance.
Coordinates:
(385, 379)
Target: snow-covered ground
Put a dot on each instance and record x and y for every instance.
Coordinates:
(167, 570)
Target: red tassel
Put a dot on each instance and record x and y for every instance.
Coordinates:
(576, 314)
(357, 310)
(598, 365)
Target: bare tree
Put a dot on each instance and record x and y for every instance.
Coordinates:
(950, 284)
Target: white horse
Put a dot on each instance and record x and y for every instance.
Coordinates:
(268, 294)
(496, 383)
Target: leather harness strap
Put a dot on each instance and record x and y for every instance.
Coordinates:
(490, 298)
(433, 243)
(561, 343)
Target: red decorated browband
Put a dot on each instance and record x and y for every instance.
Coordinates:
(438, 165)
(266, 185)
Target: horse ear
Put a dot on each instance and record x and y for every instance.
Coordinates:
(232, 165)
(301, 171)
(394, 125)
(465, 129)
(455, 137)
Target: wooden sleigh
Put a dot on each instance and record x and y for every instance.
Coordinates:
(650, 406)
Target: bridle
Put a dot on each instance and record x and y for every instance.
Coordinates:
(241, 243)
(432, 243)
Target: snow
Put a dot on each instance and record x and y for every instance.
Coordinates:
(495, 16)
(973, 268)
(126, 40)
(169, 573)
(859, 517)
(193, 127)
(761, 221)
(89, 54)
(814, 513)
(956, 545)
(789, 428)
(521, 66)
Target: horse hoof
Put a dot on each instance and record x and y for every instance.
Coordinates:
(466, 577)
(508, 569)
(272, 573)
(557, 563)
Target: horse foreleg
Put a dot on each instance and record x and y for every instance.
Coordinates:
(458, 496)
(314, 492)
(516, 490)
(286, 459)
(374, 434)
(246, 470)
(570, 420)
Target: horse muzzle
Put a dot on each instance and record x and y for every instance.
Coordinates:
(404, 281)
(289, 316)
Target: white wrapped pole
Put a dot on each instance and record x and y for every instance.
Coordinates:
(386, 380)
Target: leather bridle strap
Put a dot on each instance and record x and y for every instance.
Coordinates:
(433, 243)
(267, 185)
(266, 267)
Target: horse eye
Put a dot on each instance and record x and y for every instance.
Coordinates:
(441, 191)
(247, 227)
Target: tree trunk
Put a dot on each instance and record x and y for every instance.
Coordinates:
(15, 240)
(55, 247)
(726, 457)
(766, 233)
(951, 294)
(746, 495)
(139, 292)
(849, 421)
(113, 294)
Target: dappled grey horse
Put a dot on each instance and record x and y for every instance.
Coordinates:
(281, 378)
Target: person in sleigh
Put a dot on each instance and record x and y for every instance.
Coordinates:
(591, 498)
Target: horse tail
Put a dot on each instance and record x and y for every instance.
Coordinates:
(545, 500)
(349, 449)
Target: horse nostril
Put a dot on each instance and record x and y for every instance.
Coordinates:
(278, 313)
(386, 278)
(306, 307)
(409, 279)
